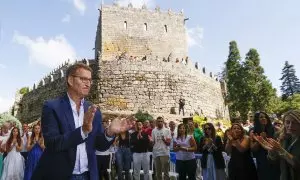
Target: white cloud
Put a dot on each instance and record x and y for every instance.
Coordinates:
(2, 66)
(194, 36)
(5, 104)
(136, 3)
(66, 18)
(50, 53)
(80, 6)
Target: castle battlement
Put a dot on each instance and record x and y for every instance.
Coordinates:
(144, 8)
(58, 73)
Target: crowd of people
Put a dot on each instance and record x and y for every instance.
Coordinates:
(260, 149)
(20, 150)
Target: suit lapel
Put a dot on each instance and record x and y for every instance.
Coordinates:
(87, 144)
(86, 106)
(68, 112)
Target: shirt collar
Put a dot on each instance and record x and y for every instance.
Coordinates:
(73, 104)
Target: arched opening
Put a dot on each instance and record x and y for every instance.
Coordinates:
(125, 25)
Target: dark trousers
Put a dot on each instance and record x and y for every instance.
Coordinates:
(186, 168)
(103, 165)
(181, 108)
(123, 160)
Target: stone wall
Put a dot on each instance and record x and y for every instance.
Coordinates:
(28, 108)
(156, 86)
(140, 32)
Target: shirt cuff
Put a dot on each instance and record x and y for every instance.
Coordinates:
(83, 135)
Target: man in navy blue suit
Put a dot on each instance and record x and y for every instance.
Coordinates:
(72, 131)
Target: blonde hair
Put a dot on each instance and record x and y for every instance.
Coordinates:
(295, 114)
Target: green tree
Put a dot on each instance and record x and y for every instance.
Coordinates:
(258, 90)
(293, 102)
(232, 77)
(143, 116)
(248, 89)
(24, 90)
(5, 117)
(290, 82)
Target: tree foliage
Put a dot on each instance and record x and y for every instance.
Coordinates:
(292, 102)
(24, 90)
(232, 76)
(5, 117)
(290, 82)
(259, 89)
(248, 87)
(143, 116)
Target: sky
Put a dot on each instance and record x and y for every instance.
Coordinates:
(38, 35)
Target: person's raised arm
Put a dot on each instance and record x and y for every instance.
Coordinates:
(19, 146)
(55, 141)
(29, 145)
(242, 145)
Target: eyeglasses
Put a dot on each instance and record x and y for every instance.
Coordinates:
(84, 79)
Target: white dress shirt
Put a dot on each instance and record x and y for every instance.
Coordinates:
(81, 162)
(24, 138)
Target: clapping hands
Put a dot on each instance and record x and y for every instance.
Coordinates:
(119, 125)
(268, 144)
(88, 118)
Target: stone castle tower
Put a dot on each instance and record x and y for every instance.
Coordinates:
(136, 68)
(140, 32)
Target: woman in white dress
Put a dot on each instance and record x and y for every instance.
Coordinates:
(13, 164)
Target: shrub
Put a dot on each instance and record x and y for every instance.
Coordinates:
(143, 116)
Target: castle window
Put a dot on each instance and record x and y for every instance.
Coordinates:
(145, 27)
(125, 24)
(166, 28)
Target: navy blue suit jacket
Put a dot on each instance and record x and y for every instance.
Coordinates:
(61, 140)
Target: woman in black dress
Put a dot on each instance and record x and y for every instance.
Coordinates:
(266, 169)
(241, 165)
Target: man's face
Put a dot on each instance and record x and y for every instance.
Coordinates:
(191, 124)
(105, 124)
(80, 82)
(172, 125)
(25, 127)
(160, 123)
(5, 128)
(152, 124)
